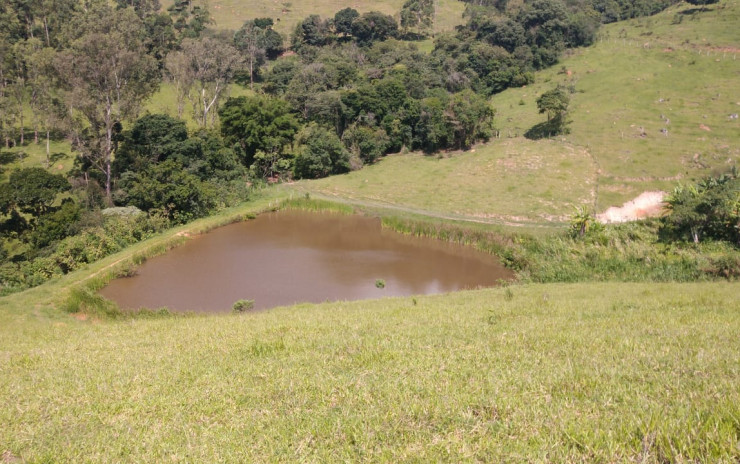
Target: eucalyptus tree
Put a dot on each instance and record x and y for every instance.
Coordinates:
(106, 75)
(202, 70)
(417, 14)
(257, 41)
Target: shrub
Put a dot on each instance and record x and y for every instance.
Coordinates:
(243, 306)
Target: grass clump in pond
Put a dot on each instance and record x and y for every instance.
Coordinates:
(379, 283)
(241, 306)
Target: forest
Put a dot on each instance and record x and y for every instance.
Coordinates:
(338, 94)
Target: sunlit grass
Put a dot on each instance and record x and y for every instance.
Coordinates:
(231, 14)
(563, 373)
(505, 182)
(640, 77)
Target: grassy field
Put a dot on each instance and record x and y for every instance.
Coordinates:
(597, 372)
(165, 101)
(231, 14)
(504, 182)
(543, 373)
(588, 372)
(643, 76)
(34, 155)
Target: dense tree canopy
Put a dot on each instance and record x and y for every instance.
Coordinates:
(31, 190)
(258, 124)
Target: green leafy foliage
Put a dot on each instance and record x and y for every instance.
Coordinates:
(366, 143)
(320, 153)
(554, 103)
(57, 225)
(153, 138)
(168, 187)
(343, 20)
(31, 190)
(709, 209)
(255, 124)
(374, 26)
(241, 306)
(417, 14)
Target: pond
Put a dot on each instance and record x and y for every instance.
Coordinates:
(289, 257)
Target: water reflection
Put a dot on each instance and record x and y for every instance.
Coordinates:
(291, 256)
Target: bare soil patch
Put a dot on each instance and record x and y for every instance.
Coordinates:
(647, 204)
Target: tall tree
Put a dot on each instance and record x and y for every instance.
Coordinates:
(209, 64)
(554, 103)
(374, 26)
(106, 75)
(417, 14)
(17, 88)
(32, 191)
(247, 41)
(343, 21)
(320, 153)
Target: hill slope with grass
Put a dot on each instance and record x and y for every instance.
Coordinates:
(677, 71)
(231, 14)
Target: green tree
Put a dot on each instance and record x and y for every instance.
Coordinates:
(374, 26)
(256, 40)
(554, 103)
(343, 21)
(169, 188)
(581, 221)
(189, 19)
(366, 143)
(320, 153)
(56, 225)
(32, 191)
(470, 118)
(432, 131)
(153, 138)
(417, 14)
(277, 79)
(313, 31)
(206, 65)
(106, 74)
(707, 209)
(258, 124)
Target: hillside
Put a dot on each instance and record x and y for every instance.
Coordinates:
(676, 71)
(231, 14)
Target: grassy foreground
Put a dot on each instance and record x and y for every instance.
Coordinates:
(540, 373)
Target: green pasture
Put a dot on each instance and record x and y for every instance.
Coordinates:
(231, 14)
(640, 77)
(515, 182)
(534, 373)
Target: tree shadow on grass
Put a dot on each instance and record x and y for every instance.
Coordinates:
(543, 130)
(693, 11)
(54, 157)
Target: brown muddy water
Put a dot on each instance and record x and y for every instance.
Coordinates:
(289, 257)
